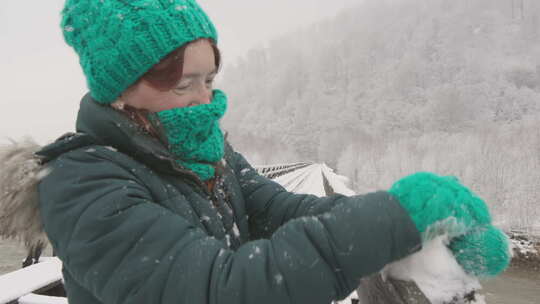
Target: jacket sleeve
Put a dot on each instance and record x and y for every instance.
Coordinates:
(123, 248)
(268, 204)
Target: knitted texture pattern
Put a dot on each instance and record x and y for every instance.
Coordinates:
(483, 252)
(119, 40)
(194, 136)
(440, 204)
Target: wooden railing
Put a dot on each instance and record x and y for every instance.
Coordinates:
(273, 171)
(24, 285)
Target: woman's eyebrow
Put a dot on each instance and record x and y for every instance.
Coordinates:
(195, 75)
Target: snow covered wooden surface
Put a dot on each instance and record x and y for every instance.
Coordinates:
(315, 179)
(306, 180)
(39, 299)
(24, 281)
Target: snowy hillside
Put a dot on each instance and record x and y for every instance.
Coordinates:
(396, 86)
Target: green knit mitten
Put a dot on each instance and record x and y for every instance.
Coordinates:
(483, 252)
(440, 205)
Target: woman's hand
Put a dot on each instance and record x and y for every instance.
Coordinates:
(440, 205)
(483, 252)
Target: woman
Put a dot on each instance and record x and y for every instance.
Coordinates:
(149, 204)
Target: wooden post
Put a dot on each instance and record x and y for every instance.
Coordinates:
(374, 290)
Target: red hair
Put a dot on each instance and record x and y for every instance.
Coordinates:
(167, 73)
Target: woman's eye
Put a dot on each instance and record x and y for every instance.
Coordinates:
(182, 87)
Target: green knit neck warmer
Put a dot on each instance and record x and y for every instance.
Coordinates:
(194, 136)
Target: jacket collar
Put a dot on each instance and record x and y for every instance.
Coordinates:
(103, 125)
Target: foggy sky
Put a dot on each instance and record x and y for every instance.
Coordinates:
(40, 78)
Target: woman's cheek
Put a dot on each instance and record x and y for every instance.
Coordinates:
(168, 102)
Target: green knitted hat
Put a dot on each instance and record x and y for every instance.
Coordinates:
(119, 40)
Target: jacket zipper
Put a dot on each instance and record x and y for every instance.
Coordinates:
(192, 177)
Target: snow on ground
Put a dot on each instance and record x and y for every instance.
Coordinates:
(294, 181)
(337, 182)
(525, 247)
(314, 182)
(307, 180)
(310, 180)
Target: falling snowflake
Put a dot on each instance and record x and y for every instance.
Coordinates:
(236, 231)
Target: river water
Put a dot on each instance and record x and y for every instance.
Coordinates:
(513, 287)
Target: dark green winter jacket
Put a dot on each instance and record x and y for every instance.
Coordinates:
(130, 226)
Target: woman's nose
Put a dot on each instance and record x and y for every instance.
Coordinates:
(203, 95)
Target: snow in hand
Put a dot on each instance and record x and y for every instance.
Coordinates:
(437, 273)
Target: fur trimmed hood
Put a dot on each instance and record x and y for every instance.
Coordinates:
(22, 166)
(20, 172)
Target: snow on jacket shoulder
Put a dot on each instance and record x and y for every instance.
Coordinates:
(131, 227)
